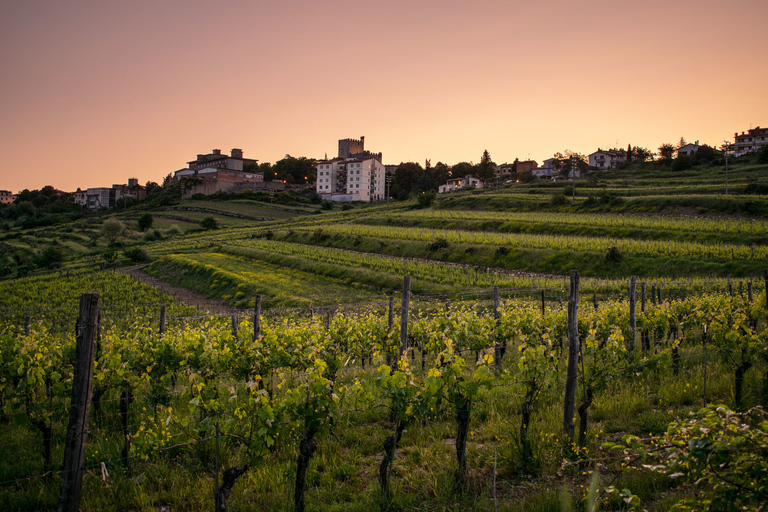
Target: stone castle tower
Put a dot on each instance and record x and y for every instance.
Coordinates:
(350, 147)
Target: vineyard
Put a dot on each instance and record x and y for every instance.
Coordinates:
(491, 378)
(433, 401)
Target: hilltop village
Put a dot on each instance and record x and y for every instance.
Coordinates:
(358, 174)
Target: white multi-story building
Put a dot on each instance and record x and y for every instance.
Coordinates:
(351, 179)
(6, 196)
(753, 140)
(100, 197)
(81, 197)
(608, 159)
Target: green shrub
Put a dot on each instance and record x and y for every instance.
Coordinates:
(136, 254)
(209, 222)
(558, 199)
(50, 257)
(145, 221)
(613, 255)
(437, 244)
(152, 235)
(425, 200)
(762, 155)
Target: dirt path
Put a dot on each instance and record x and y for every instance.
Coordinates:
(185, 295)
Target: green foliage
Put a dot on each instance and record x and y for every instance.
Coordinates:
(136, 255)
(558, 199)
(209, 223)
(613, 255)
(145, 221)
(50, 257)
(112, 229)
(762, 155)
(437, 244)
(424, 200)
(720, 452)
(109, 254)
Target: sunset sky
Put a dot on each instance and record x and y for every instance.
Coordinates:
(94, 92)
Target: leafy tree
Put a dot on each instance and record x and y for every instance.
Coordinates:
(209, 222)
(51, 257)
(666, 151)
(145, 221)
(640, 154)
(112, 229)
(136, 254)
(629, 153)
(109, 255)
(485, 168)
(295, 170)
(762, 155)
(681, 143)
(573, 161)
(461, 169)
(409, 177)
(425, 200)
(705, 153)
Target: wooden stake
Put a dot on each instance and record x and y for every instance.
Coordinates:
(632, 319)
(257, 318)
(497, 317)
(162, 320)
(573, 356)
(77, 429)
(404, 308)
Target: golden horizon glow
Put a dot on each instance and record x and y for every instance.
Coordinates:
(94, 93)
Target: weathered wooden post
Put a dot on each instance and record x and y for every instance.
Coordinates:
(27, 325)
(749, 291)
(234, 324)
(390, 325)
(632, 318)
(543, 304)
(257, 318)
(765, 278)
(77, 429)
(404, 308)
(573, 356)
(497, 318)
(162, 320)
(594, 301)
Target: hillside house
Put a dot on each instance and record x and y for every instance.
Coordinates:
(607, 159)
(467, 182)
(753, 140)
(217, 172)
(688, 149)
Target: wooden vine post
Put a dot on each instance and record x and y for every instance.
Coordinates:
(573, 357)
(404, 308)
(77, 429)
(497, 317)
(257, 318)
(162, 320)
(765, 278)
(632, 318)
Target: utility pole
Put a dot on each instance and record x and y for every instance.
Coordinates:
(573, 179)
(726, 167)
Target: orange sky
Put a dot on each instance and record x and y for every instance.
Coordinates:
(95, 92)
